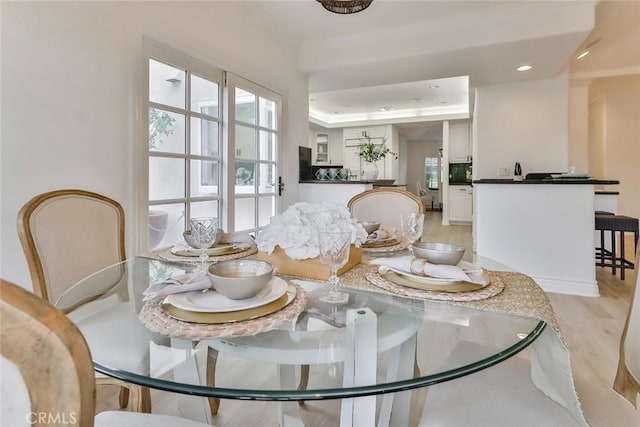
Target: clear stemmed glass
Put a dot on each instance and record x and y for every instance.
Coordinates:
(334, 253)
(411, 224)
(204, 235)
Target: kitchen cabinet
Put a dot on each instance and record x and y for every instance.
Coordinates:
(459, 142)
(327, 149)
(460, 203)
(355, 136)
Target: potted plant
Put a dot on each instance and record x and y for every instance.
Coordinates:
(371, 153)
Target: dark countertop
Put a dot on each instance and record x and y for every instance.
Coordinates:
(547, 181)
(333, 181)
(611, 193)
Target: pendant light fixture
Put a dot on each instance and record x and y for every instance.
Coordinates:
(345, 7)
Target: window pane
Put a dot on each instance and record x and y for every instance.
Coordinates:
(166, 178)
(204, 96)
(267, 178)
(245, 142)
(205, 176)
(207, 208)
(267, 146)
(245, 177)
(245, 214)
(205, 137)
(166, 131)
(245, 106)
(166, 84)
(266, 210)
(166, 224)
(268, 118)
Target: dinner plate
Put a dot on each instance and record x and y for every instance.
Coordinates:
(213, 302)
(389, 241)
(427, 283)
(226, 249)
(231, 316)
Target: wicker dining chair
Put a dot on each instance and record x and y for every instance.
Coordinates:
(66, 236)
(47, 370)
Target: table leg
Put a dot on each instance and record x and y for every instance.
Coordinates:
(186, 371)
(288, 411)
(360, 366)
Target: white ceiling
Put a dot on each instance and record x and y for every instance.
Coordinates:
(389, 54)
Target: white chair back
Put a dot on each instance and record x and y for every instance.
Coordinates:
(66, 236)
(384, 205)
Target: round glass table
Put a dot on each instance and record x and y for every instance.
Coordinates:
(376, 344)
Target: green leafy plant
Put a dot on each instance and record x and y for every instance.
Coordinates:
(160, 124)
(371, 152)
(243, 173)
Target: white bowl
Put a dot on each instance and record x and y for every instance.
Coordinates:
(438, 253)
(240, 278)
(188, 237)
(369, 226)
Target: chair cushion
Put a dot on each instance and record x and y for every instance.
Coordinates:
(134, 419)
(602, 405)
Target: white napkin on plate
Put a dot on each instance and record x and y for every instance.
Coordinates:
(237, 237)
(464, 271)
(177, 284)
(381, 234)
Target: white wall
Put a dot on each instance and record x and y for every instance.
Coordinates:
(578, 155)
(525, 122)
(70, 81)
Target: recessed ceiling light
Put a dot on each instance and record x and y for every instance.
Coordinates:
(416, 99)
(312, 100)
(524, 68)
(442, 102)
(336, 112)
(583, 54)
(387, 108)
(434, 87)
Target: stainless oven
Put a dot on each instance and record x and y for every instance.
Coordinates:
(460, 173)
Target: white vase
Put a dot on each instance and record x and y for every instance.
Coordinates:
(370, 171)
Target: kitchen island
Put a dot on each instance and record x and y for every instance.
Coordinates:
(542, 228)
(337, 191)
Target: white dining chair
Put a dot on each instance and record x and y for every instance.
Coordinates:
(504, 395)
(47, 371)
(384, 205)
(66, 236)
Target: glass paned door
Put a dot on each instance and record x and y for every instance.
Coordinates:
(254, 134)
(184, 160)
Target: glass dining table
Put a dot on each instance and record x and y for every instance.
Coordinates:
(371, 352)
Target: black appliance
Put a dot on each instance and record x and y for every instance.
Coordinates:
(304, 160)
(460, 173)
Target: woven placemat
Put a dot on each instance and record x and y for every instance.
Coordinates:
(156, 320)
(492, 289)
(167, 255)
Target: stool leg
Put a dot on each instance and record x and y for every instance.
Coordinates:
(613, 252)
(602, 247)
(622, 260)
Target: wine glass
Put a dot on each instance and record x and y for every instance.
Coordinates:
(411, 224)
(334, 253)
(204, 232)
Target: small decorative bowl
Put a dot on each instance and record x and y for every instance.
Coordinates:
(369, 226)
(240, 278)
(188, 237)
(438, 253)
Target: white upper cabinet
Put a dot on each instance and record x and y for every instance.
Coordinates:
(355, 136)
(460, 203)
(326, 147)
(459, 142)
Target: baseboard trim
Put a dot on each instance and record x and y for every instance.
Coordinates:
(569, 287)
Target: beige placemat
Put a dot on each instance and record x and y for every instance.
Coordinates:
(156, 320)
(165, 254)
(491, 290)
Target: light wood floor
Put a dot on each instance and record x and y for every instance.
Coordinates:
(590, 326)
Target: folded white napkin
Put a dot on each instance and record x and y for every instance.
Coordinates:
(177, 284)
(237, 237)
(381, 234)
(464, 271)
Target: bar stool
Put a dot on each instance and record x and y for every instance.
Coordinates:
(611, 258)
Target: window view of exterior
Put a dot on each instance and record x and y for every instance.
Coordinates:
(184, 149)
(188, 164)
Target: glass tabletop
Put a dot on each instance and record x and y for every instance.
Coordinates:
(444, 341)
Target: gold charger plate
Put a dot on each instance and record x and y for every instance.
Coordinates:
(425, 285)
(381, 243)
(226, 249)
(230, 316)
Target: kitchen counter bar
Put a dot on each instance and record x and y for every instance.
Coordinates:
(544, 231)
(547, 181)
(334, 181)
